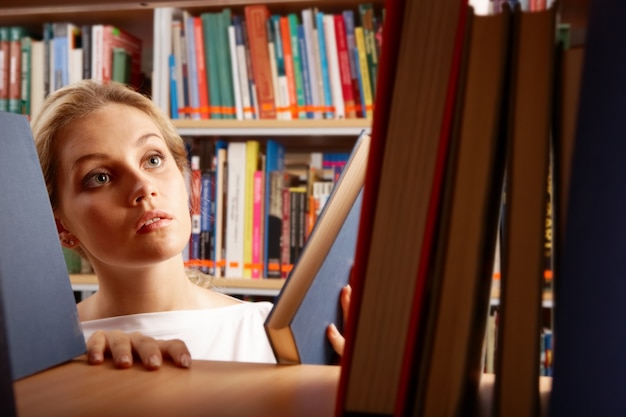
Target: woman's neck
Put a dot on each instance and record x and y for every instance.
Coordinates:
(123, 291)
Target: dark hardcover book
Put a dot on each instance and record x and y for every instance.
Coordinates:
(589, 361)
(309, 300)
(37, 303)
(519, 321)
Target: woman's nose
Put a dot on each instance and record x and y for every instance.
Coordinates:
(143, 188)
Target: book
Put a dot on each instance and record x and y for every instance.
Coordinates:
(221, 185)
(447, 375)
(296, 53)
(519, 322)
(253, 149)
(16, 33)
(312, 59)
(203, 82)
(589, 293)
(410, 133)
(343, 59)
(210, 31)
(66, 37)
(324, 66)
(283, 109)
(289, 63)
(274, 169)
(235, 212)
(309, 299)
(36, 77)
(242, 63)
(105, 39)
(256, 16)
(36, 302)
(4, 68)
(192, 85)
(333, 66)
(367, 97)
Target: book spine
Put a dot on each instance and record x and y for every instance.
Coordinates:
(306, 74)
(224, 65)
(329, 111)
(256, 15)
(221, 183)
(15, 69)
(297, 66)
(312, 61)
(282, 100)
(177, 48)
(207, 221)
(366, 13)
(251, 166)
(26, 49)
(285, 33)
(333, 66)
(348, 18)
(173, 88)
(196, 210)
(366, 87)
(120, 38)
(86, 45)
(244, 86)
(203, 85)
(211, 55)
(96, 52)
(234, 65)
(4, 68)
(194, 97)
(275, 165)
(257, 226)
(285, 257)
(271, 47)
(235, 213)
(343, 57)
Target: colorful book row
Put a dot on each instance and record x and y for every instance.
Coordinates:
(310, 65)
(250, 215)
(32, 65)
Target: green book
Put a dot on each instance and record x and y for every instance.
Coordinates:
(210, 33)
(225, 67)
(297, 64)
(121, 66)
(26, 46)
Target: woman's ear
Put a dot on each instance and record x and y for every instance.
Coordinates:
(67, 239)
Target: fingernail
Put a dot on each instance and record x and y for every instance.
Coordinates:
(333, 328)
(154, 361)
(185, 360)
(95, 357)
(124, 360)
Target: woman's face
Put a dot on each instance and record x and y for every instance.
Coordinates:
(121, 194)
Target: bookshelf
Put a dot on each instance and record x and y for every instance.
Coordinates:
(139, 19)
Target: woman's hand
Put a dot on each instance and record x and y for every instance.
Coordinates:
(336, 339)
(123, 346)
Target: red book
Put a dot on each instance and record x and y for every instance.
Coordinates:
(114, 37)
(203, 85)
(256, 17)
(344, 66)
(285, 35)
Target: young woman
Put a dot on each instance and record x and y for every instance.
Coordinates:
(115, 168)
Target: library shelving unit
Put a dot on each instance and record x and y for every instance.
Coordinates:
(298, 136)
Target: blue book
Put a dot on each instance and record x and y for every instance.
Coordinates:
(37, 303)
(207, 219)
(192, 68)
(306, 75)
(173, 88)
(328, 98)
(309, 300)
(590, 295)
(274, 170)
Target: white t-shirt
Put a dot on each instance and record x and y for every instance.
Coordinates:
(231, 333)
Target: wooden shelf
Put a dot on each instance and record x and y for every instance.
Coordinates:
(308, 127)
(233, 286)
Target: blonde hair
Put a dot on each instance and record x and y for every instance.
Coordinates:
(71, 103)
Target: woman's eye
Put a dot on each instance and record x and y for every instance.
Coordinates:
(97, 180)
(154, 161)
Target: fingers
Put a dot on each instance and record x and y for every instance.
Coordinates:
(344, 299)
(335, 338)
(96, 346)
(123, 346)
(177, 351)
